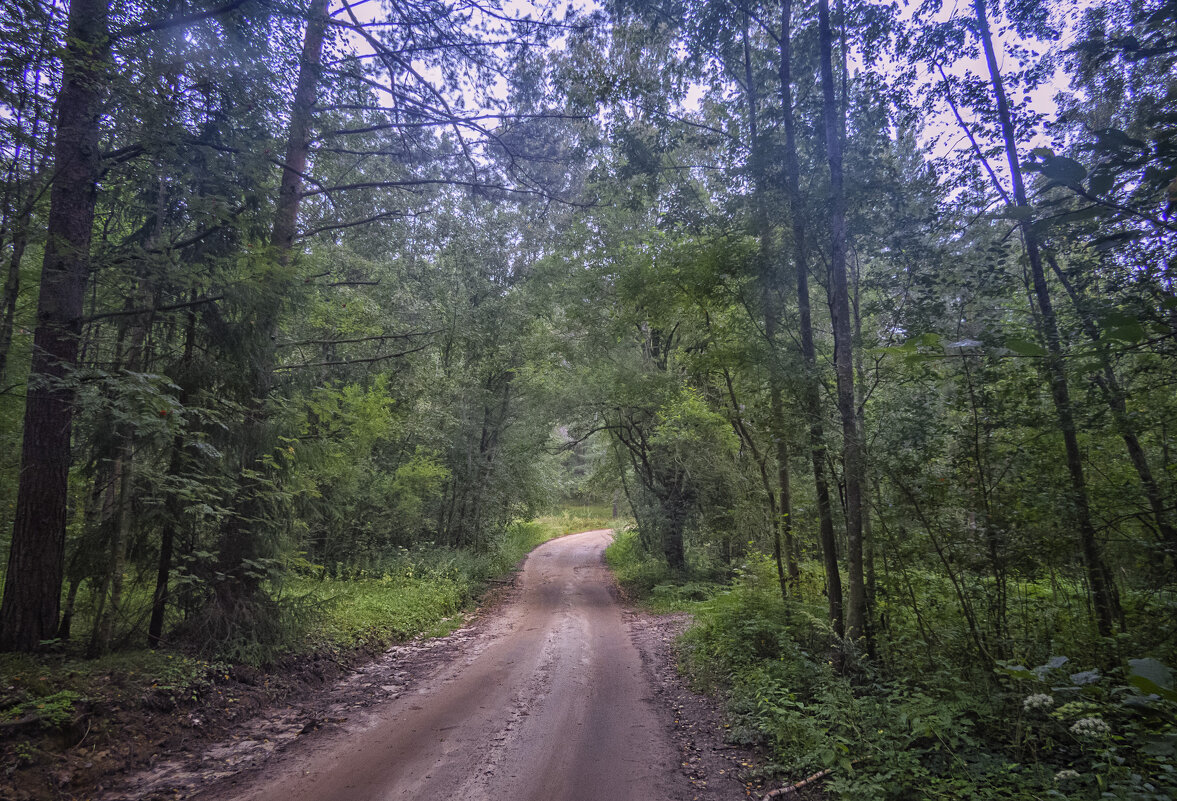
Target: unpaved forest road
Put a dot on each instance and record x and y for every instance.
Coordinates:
(550, 705)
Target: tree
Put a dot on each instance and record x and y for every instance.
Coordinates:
(32, 588)
(852, 453)
(1097, 573)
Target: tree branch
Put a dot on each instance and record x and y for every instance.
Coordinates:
(173, 22)
(382, 357)
(376, 338)
(152, 310)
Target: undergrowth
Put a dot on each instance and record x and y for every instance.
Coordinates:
(898, 726)
(422, 592)
(649, 580)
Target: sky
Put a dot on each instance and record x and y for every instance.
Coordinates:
(942, 134)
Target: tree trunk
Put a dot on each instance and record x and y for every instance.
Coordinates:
(67, 612)
(811, 397)
(11, 295)
(782, 514)
(104, 533)
(120, 533)
(32, 588)
(672, 543)
(240, 541)
(1116, 399)
(1097, 574)
(175, 506)
(868, 544)
(778, 552)
(835, 123)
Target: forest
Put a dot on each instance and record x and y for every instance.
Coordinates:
(862, 316)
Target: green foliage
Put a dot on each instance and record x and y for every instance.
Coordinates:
(902, 730)
(636, 570)
(690, 433)
(409, 593)
(334, 446)
(50, 711)
(645, 577)
(50, 687)
(572, 519)
(377, 611)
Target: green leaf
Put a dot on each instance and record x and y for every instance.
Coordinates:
(1020, 213)
(1064, 170)
(1101, 181)
(928, 340)
(1134, 332)
(1054, 663)
(1124, 327)
(1024, 347)
(1115, 139)
(1162, 745)
(1089, 213)
(1152, 688)
(1151, 676)
(1015, 671)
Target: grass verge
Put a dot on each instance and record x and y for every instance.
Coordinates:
(647, 581)
(67, 721)
(910, 724)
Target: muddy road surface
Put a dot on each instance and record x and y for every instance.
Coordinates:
(550, 704)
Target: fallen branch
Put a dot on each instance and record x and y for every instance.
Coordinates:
(793, 790)
(22, 721)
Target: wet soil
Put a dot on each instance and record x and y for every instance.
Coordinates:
(558, 693)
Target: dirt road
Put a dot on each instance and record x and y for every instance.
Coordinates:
(550, 705)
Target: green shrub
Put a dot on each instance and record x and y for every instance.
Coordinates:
(903, 728)
(50, 711)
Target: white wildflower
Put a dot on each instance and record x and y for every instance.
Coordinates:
(1092, 728)
(1037, 701)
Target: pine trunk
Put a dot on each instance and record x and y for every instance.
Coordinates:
(240, 542)
(167, 540)
(32, 588)
(11, 295)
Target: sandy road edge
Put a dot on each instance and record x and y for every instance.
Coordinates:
(716, 769)
(204, 751)
(203, 766)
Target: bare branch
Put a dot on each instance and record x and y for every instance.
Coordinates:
(416, 182)
(339, 362)
(387, 215)
(375, 338)
(153, 309)
(964, 127)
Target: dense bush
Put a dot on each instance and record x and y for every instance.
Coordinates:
(899, 728)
